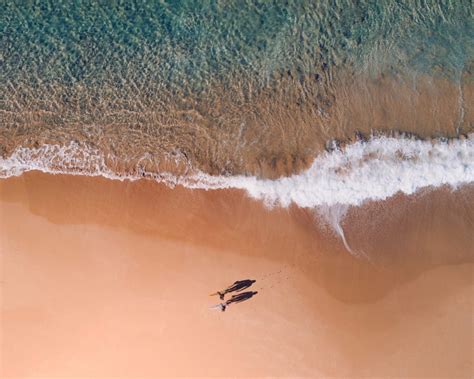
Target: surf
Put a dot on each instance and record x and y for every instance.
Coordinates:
(375, 169)
(363, 171)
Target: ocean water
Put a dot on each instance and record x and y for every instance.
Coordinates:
(183, 46)
(318, 104)
(231, 87)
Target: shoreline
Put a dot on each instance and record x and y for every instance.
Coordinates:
(372, 170)
(117, 274)
(156, 154)
(272, 133)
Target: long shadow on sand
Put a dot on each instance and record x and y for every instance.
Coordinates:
(237, 286)
(239, 298)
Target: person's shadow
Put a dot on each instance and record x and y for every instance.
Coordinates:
(237, 286)
(244, 296)
(240, 285)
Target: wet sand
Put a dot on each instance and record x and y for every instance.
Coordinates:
(103, 278)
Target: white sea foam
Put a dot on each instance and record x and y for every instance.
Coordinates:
(370, 170)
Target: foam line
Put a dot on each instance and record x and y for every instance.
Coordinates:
(366, 170)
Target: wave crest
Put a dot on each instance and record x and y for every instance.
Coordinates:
(365, 170)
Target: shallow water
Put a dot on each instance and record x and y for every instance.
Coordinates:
(232, 87)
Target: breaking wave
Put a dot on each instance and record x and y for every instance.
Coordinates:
(364, 170)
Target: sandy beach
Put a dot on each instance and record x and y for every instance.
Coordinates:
(104, 278)
(154, 153)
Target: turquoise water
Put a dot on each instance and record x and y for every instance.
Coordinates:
(192, 43)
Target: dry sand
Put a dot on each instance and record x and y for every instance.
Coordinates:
(102, 278)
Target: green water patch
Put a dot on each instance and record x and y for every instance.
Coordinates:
(188, 44)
